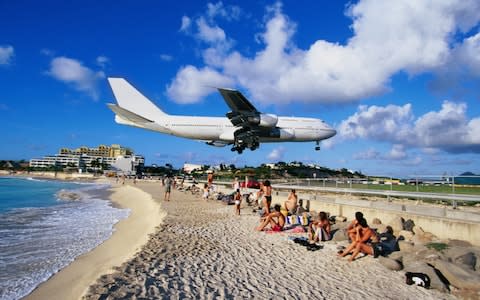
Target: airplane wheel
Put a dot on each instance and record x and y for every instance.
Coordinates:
(317, 148)
(239, 151)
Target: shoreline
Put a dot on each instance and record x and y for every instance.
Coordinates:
(130, 234)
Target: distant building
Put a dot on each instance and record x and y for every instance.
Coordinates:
(118, 158)
(188, 168)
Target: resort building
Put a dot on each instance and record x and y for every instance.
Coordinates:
(115, 157)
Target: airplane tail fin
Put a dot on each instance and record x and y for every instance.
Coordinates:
(132, 100)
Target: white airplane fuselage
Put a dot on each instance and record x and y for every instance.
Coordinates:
(244, 127)
(291, 129)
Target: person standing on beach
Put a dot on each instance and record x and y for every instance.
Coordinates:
(210, 178)
(235, 184)
(238, 201)
(168, 188)
(267, 197)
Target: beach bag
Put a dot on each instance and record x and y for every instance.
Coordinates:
(419, 279)
(303, 220)
(292, 220)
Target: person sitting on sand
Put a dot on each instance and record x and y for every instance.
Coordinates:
(319, 230)
(364, 241)
(300, 209)
(275, 219)
(351, 231)
(291, 203)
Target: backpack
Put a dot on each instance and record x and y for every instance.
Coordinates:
(419, 279)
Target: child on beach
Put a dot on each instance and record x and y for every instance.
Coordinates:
(205, 192)
(238, 201)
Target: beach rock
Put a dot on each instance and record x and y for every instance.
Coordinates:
(418, 230)
(397, 224)
(421, 239)
(407, 235)
(340, 235)
(390, 263)
(405, 246)
(408, 225)
(468, 259)
(422, 267)
(376, 221)
(340, 219)
(381, 228)
(459, 243)
(457, 276)
(397, 255)
(67, 195)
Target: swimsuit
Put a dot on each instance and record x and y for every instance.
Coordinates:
(276, 228)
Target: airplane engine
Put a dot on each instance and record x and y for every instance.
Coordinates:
(264, 120)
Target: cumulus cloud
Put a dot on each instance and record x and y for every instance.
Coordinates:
(230, 12)
(102, 61)
(388, 37)
(73, 72)
(192, 83)
(6, 54)
(186, 22)
(166, 57)
(448, 129)
(276, 154)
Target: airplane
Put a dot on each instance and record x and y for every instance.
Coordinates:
(244, 126)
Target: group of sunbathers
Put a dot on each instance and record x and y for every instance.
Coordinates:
(363, 238)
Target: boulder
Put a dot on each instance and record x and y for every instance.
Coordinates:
(421, 239)
(422, 267)
(407, 235)
(457, 276)
(396, 255)
(340, 235)
(390, 263)
(468, 259)
(340, 219)
(397, 224)
(381, 228)
(376, 221)
(418, 230)
(408, 225)
(405, 246)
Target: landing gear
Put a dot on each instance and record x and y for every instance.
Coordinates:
(317, 147)
(245, 139)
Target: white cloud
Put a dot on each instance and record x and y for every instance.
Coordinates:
(6, 55)
(388, 37)
(448, 129)
(368, 154)
(186, 23)
(166, 57)
(209, 34)
(276, 154)
(73, 72)
(230, 12)
(102, 61)
(192, 83)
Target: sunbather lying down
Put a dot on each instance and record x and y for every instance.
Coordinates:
(275, 219)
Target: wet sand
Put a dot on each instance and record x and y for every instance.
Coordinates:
(130, 234)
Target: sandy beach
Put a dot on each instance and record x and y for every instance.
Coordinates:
(130, 234)
(202, 250)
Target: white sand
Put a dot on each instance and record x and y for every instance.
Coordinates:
(130, 234)
(204, 251)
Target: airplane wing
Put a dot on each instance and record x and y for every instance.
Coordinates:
(250, 122)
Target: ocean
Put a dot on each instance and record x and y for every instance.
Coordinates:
(41, 234)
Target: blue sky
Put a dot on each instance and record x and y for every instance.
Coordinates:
(398, 80)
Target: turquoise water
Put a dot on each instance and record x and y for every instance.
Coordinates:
(41, 234)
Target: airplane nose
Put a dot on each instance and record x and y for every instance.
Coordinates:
(332, 132)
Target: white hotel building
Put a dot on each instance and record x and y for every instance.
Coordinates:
(117, 159)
